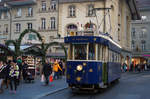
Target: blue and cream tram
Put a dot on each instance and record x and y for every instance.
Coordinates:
(93, 61)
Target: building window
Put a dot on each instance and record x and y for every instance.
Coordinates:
(133, 45)
(19, 12)
(53, 23)
(18, 27)
(143, 32)
(72, 11)
(91, 12)
(133, 32)
(71, 29)
(6, 28)
(30, 11)
(43, 6)
(43, 23)
(32, 37)
(144, 17)
(29, 25)
(53, 5)
(143, 45)
(6, 15)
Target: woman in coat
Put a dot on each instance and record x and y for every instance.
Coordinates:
(14, 76)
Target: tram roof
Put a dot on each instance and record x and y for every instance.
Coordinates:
(93, 39)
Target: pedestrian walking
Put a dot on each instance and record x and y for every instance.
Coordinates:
(7, 73)
(139, 67)
(56, 67)
(24, 70)
(14, 76)
(47, 70)
(2, 75)
(19, 63)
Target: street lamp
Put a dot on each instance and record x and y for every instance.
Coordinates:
(9, 10)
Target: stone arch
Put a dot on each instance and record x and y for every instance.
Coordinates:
(71, 28)
(26, 31)
(56, 43)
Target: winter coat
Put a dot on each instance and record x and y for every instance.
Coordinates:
(2, 72)
(56, 67)
(47, 70)
(8, 70)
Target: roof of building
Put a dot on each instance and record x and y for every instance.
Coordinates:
(21, 2)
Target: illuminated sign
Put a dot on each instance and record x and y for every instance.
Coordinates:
(147, 55)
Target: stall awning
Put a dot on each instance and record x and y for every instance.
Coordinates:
(22, 47)
(56, 55)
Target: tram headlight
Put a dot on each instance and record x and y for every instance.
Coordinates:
(79, 67)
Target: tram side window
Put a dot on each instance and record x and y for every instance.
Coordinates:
(110, 56)
(119, 59)
(70, 51)
(91, 51)
(113, 57)
(116, 57)
(99, 52)
(103, 53)
(80, 51)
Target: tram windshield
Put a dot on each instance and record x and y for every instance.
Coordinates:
(80, 51)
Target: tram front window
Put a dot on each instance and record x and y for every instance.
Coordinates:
(80, 51)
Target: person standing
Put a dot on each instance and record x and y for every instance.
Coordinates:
(24, 70)
(19, 63)
(14, 76)
(56, 68)
(2, 75)
(47, 70)
(7, 73)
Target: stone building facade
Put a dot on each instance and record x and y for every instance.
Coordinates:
(141, 37)
(40, 15)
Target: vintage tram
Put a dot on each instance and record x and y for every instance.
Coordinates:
(93, 62)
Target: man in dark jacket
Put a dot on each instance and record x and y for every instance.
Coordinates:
(47, 70)
(7, 73)
(24, 70)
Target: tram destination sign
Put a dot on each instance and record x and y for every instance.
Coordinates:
(80, 39)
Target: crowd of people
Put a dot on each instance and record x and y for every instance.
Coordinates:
(9, 73)
(135, 67)
(13, 71)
